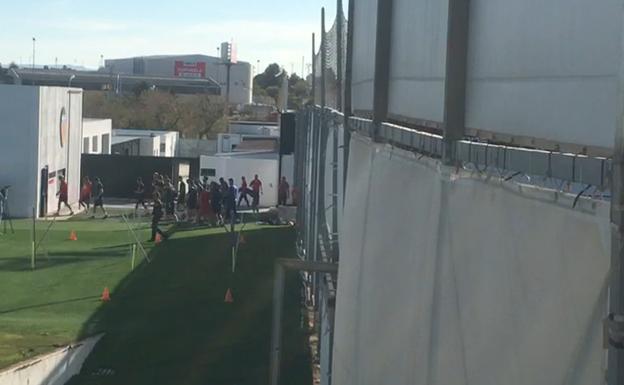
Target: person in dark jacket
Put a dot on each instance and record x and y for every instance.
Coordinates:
(157, 214)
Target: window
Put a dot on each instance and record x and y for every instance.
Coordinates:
(106, 144)
(208, 172)
(85, 145)
(163, 148)
(94, 144)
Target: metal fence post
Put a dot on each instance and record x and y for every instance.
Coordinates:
(615, 370)
(323, 54)
(313, 70)
(455, 78)
(348, 108)
(383, 45)
(339, 18)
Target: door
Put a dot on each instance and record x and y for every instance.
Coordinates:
(43, 192)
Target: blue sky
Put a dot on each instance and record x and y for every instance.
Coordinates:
(78, 32)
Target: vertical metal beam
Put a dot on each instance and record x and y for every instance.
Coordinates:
(339, 44)
(615, 371)
(323, 54)
(348, 108)
(313, 69)
(383, 47)
(281, 265)
(276, 334)
(455, 84)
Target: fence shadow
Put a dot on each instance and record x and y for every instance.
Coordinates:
(167, 321)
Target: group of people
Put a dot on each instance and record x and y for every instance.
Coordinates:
(192, 200)
(196, 201)
(87, 195)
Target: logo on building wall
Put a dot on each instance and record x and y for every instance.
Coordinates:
(190, 70)
(63, 127)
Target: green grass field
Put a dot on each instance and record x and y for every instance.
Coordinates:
(167, 322)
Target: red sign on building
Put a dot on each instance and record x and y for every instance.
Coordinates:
(190, 70)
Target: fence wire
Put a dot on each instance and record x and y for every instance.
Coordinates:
(334, 45)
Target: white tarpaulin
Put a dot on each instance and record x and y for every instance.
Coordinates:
(448, 278)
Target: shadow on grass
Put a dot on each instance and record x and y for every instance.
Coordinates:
(167, 322)
(6, 311)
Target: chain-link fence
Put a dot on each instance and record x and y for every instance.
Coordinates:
(330, 63)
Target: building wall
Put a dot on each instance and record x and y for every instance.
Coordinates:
(230, 167)
(19, 121)
(60, 152)
(240, 76)
(100, 128)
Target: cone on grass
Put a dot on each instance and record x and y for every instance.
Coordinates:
(73, 236)
(228, 296)
(105, 295)
(158, 238)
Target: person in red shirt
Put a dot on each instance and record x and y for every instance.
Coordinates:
(256, 190)
(283, 192)
(243, 191)
(85, 193)
(62, 195)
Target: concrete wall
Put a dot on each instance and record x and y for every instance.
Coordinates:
(194, 148)
(235, 168)
(19, 130)
(537, 69)
(100, 128)
(55, 368)
(150, 141)
(448, 277)
(254, 128)
(60, 151)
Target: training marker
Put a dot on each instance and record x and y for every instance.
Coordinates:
(158, 238)
(73, 236)
(134, 247)
(228, 296)
(105, 295)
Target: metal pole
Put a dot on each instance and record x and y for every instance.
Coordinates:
(313, 70)
(34, 234)
(33, 41)
(615, 371)
(455, 84)
(339, 19)
(383, 44)
(276, 335)
(281, 265)
(323, 57)
(228, 66)
(348, 108)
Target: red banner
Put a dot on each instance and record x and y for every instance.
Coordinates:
(190, 70)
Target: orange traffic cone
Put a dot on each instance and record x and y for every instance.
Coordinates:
(228, 296)
(241, 239)
(105, 295)
(73, 236)
(158, 238)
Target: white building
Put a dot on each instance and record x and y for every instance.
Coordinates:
(96, 136)
(145, 142)
(40, 131)
(236, 165)
(190, 66)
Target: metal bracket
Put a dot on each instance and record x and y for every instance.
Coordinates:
(613, 331)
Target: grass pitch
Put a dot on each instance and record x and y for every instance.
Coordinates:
(167, 322)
